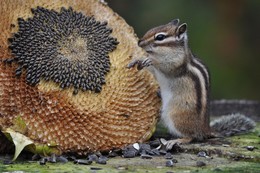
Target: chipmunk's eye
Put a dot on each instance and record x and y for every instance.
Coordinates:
(160, 36)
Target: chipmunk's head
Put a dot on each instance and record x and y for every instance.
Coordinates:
(166, 39)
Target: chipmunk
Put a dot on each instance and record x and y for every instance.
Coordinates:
(184, 85)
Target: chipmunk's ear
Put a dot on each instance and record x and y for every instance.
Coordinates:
(181, 31)
(175, 22)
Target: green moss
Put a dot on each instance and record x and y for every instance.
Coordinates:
(240, 143)
(241, 167)
(252, 138)
(114, 167)
(44, 149)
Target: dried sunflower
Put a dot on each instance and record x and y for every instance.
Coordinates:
(58, 48)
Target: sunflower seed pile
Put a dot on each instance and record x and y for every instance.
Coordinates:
(148, 150)
(66, 47)
(97, 158)
(143, 150)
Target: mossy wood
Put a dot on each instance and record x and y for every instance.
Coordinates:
(102, 106)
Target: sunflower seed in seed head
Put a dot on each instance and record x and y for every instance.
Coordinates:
(63, 41)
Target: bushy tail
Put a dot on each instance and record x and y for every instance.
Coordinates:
(232, 124)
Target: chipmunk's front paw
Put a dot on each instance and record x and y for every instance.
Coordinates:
(134, 63)
(146, 62)
(140, 63)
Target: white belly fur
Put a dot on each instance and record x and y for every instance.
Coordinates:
(167, 96)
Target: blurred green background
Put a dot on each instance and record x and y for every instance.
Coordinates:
(223, 33)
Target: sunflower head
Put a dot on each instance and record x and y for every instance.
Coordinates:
(72, 45)
(66, 47)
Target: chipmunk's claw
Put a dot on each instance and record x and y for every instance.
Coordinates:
(140, 63)
(133, 63)
(146, 62)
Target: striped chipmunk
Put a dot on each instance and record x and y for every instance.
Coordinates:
(184, 87)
